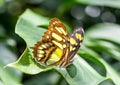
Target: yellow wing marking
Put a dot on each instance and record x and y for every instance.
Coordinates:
(62, 30)
(40, 48)
(79, 36)
(41, 51)
(56, 36)
(40, 55)
(72, 48)
(43, 46)
(57, 28)
(58, 44)
(64, 45)
(72, 41)
(55, 56)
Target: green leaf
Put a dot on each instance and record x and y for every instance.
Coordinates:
(105, 37)
(8, 76)
(93, 61)
(107, 48)
(26, 28)
(26, 64)
(110, 72)
(82, 73)
(78, 73)
(38, 20)
(30, 26)
(106, 31)
(45, 78)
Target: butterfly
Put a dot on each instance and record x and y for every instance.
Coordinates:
(57, 47)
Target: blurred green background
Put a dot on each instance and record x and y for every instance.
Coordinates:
(76, 13)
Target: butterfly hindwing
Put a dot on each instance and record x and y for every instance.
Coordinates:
(76, 39)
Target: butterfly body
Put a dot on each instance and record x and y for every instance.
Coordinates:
(56, 47)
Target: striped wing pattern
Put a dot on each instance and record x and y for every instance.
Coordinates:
(56, 47)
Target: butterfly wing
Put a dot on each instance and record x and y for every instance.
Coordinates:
(54, 47)
(76, 39)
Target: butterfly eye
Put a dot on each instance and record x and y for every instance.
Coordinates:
(57, 48)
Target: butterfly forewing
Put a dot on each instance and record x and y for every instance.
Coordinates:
(53, 48)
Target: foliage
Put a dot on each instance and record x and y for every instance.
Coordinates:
(82, 72)
(96, 63)
(8, 75)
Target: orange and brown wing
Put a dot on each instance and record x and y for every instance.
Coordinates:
(54, 47)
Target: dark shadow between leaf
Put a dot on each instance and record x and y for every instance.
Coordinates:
(107, 82)
(72, 70)
(94, 62)
(43, 26)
